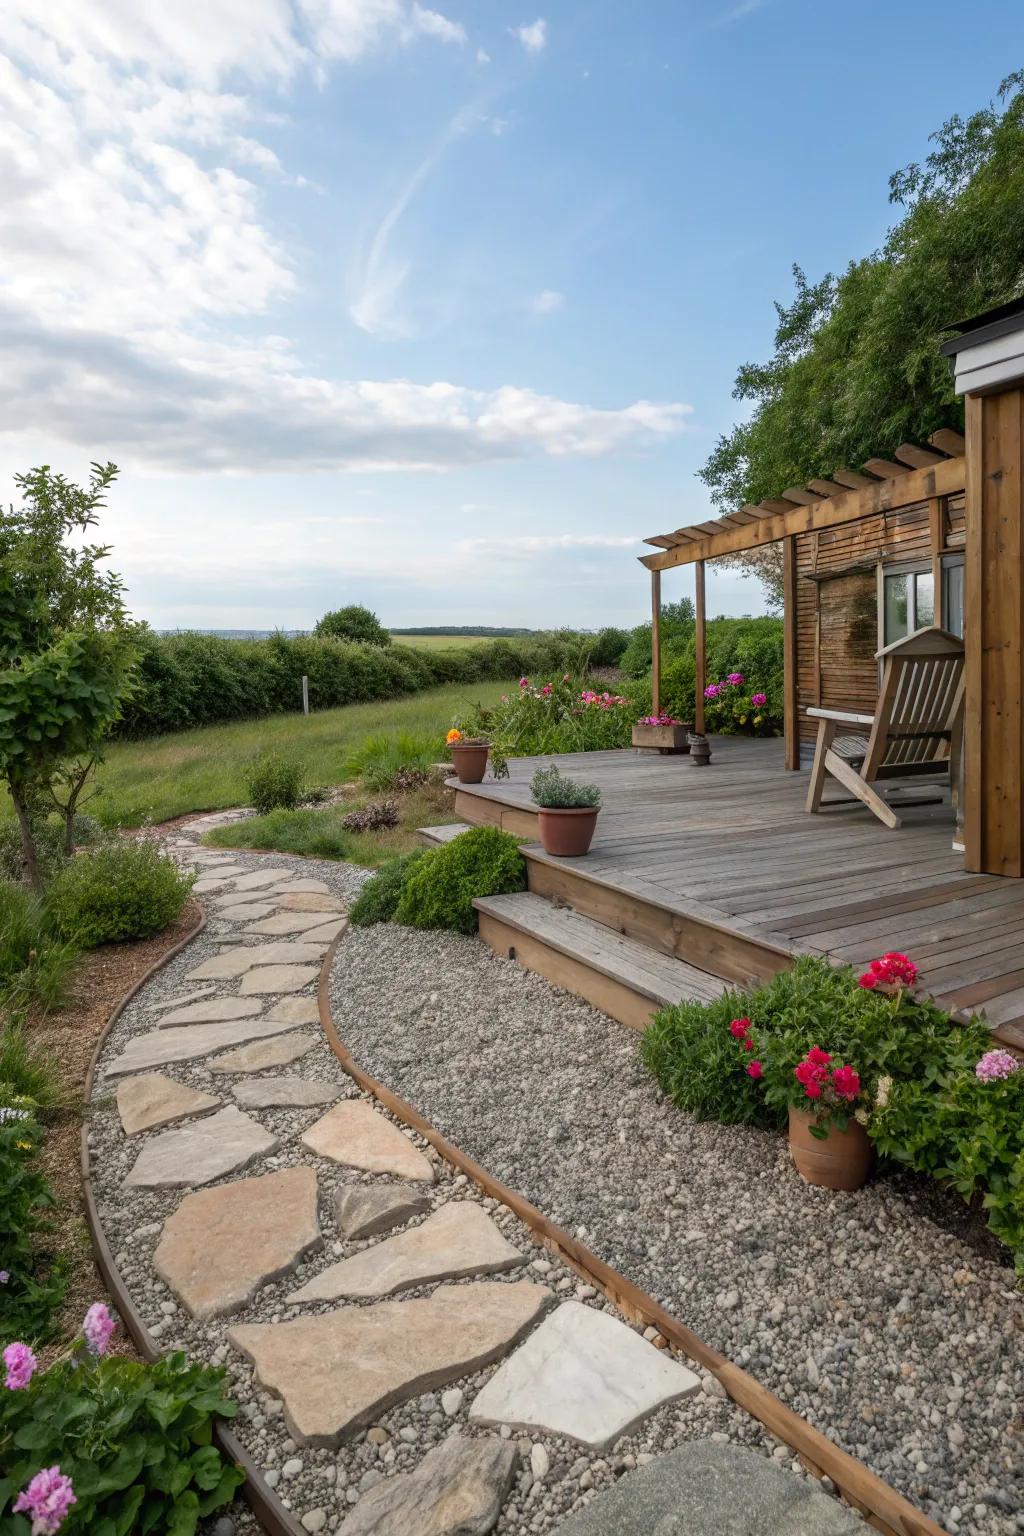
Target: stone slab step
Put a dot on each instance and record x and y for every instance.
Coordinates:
(622, 976)
(436, 837)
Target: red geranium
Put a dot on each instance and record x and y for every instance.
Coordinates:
(739, 1028)
(890, 970)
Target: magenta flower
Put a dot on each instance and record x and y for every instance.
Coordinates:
(712, 690)
(98, 1328)
(995, 1066)
(758, 699)
(20, 1363)
(47, 1499)
(735, 678)
(524, 682)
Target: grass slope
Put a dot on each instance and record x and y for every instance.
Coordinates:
(318, 834)
(167, 776)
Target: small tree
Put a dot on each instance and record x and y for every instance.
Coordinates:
(353, 623)
(66, 653)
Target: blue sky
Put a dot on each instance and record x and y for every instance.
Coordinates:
(435, 307)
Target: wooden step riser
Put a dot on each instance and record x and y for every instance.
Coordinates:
(611, 997)
(492, 813)
(718, 950)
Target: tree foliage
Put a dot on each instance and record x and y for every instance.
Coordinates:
(65, 644)
(856, 369)
(353, 623)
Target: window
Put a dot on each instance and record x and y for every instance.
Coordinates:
(907, 599)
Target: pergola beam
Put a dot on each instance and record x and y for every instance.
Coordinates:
(945, 478)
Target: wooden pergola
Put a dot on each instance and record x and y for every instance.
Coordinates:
(915, 475)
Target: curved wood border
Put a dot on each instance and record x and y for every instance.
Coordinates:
(881, 1505)
(260, 1497)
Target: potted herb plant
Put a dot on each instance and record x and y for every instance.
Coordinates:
(827, 1139)
(567, 812)
(661, 733)
(469, 756)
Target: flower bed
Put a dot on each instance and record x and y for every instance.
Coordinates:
(733, 708)
(560, 715)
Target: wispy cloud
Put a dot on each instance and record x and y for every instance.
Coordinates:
(533, 36)
(529, 544)
(547, 301)
(738, 12)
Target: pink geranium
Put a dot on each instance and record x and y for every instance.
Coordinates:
(846, 1082)
(891, 970)
(20, 1363)
(735, 679)
(524, 682)
(755, 1069)
(995, 1066)
(757, 699)
(739, 1028)
(712, 690)
(47, 1500)
(98, 1328)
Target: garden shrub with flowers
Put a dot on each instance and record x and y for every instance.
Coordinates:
(734, 707)
(109, 1446)
(933, 1095)
(559, 715)
(32, 1278)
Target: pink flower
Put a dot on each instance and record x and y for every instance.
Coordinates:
(755, 1069)
(758, 699)
(712, 690)
(747, 1043)
(735, 678)
(846, 1082)
(47, 1499)
(892, 970)
(98, 1328)
(20, 1363)
(739, 1027)
(812, 1090)
(547, 689)
(566, 677)
(818, 1057)
(995, 1066)
(5, 1275)
(524, 682)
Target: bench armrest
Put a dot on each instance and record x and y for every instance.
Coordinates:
(841, 716)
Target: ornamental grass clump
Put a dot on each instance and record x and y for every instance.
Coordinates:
(438, 892)
(552, 790)
(110, 1446)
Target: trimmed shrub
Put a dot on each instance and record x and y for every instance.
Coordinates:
(124, 890)
(438, 892)
(274, 783)
(378, 900)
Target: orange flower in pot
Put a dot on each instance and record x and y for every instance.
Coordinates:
(567, 812)
(469, 756)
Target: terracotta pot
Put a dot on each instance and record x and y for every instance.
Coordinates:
(567, 833)
(842, 1161)
(469, 759)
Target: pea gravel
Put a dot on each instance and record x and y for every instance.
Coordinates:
(888, 1318)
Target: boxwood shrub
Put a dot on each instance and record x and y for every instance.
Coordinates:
(378, 900)
(439, 890)
(123, 890)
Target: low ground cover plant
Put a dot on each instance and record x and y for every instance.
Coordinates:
(122, 890)
(110, 1446)
(274, 782)
(435, 887)
(931, 1094)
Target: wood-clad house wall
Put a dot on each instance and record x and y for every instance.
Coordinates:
(836, 594)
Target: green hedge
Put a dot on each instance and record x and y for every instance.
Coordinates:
(187, 680)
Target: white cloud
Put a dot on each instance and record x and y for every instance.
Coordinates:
(482, 56)
(739, 11)
(547, 301)
(530, 544)
(138, 266)
(534, 36)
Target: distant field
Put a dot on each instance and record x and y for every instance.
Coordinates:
(441, 642)
(166, 776)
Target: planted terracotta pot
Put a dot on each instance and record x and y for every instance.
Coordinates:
(567, 832)
(842, 1161)
(469, 759)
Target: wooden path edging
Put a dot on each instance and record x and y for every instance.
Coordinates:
(260, 1497)
(881, 1505)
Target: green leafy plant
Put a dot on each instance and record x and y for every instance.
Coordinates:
(378, 900)
(438, 891)
(129, 1445)
(385, 762)
(122, 890)
(353, 623)
(34, 1278)
(701, 1065)
(34, 965)
(551, 790)
(274, 783)
(26, 1070)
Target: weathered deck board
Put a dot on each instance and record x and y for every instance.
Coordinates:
(731, 844)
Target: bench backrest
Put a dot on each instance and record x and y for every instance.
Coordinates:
(920, 702)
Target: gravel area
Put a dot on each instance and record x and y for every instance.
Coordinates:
(888, 1318)
(554, 1476)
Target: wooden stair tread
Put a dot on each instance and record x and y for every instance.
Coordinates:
(633, 964)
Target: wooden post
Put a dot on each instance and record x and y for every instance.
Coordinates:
(994, 633)
(700, 647)
(655, 642)
(937, 523)
(305, 695)
(791, 697)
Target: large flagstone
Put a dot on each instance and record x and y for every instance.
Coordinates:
(458, 1240)
(197, 1153)
(366, 1210)
(309, 901)
(246, 911)
(212, 1010)
(231, 963)
(222, 1244)
(291, 1092)
(293, 887)
(258, 879)
(260, 1055)
(295, 1010)
(189, 1043)
(278, 978)
(337, 1372)
(583, 1374)
(457, 1490)
(326, 933)
(355, 1134)
(288, 922)
(154, 1099)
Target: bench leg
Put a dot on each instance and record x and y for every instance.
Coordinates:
(826, 735)
(852, 781)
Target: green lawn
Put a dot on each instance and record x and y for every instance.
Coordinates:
(166, 776)
(442, 642)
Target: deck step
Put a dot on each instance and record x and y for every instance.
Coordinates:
(436, 837)
(624, 978)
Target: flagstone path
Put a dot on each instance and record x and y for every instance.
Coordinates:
(403, 1356)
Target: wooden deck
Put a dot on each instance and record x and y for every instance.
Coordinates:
(721, 867)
